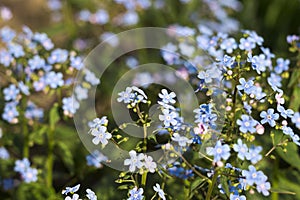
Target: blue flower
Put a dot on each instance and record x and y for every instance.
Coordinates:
(71, 190)
(24, 88)
(237, 197)
(96, 123)
(11, 93)
(36, 62)
(269, 117)
(166, 98)
(204, 115)
(76, 62)
(160, 192)
(246, 86)
(258, 63)
(227, 61)
(33, 112)
(135, 160)
(100, 135)
(282, 65)
(74, 197)
(288, 130)
(168, 117)
(8, 183)
(91, 78)
(40, 84)
(4, 153)
(257, 91)
(256, 38)
(296, 119)
(247, 44)
(43, 39)
(182, 140)
(21, 165)
(130, 18)
(16, 50)
(95, 159)
(241, 149)
(274, 81)
(54, 5)
(247, 124)
(58, 56)
(81, 92)
(84, 15)
(229, 45)
(252, 176)
(7, 34)
(132, 62)
(208, 75)
(267, 52)
(136, 194)
(90, 194)
(219, 151)
(5, 58)
(30, 175)
(70, 105)
(10, 112)
(285, 113)
(253, 154)
(262, 186)
(54, 80)
(180, 172)
(247, 107)
(291, 38)
(149, 164)
(100, 17)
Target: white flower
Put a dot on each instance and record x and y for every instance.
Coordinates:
(91, 195)
(166, 98)
(126, 96)
(98, 122)
(71, 189)
(135, 160)
(168, 117)
(101, 135)
(75, 197)
(182, 141)
(149, 164)
(160, 192)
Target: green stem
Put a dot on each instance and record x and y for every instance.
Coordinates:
(25, 132)
(26, 139)
(144, 179)
(49, 162)
(275, 196)
(211, 185)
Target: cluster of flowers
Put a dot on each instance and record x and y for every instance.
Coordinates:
(137, 193)
(233, 61)
(219, 21)
(28, 173)
(72, 190)
(38, 68)
(30, 68)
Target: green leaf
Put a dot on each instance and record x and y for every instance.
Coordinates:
(294, 78)
(292, 157)
(37, 137)
(66, 156)
(289, 181)
(54, 116)
(196, 183)
(295, 99)
(30, 191)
